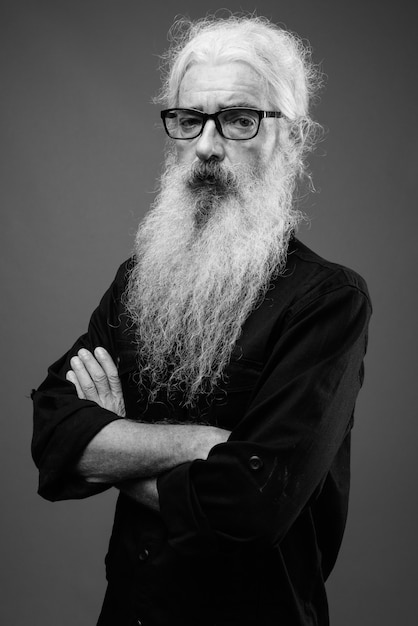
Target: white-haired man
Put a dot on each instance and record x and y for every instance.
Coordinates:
(216, 384)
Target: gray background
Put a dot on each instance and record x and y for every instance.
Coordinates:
(81, 147)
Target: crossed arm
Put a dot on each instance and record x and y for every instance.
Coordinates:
(131, 454)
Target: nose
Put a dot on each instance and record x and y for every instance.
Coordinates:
(210, 144)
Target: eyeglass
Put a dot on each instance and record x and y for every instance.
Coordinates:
(237, 123)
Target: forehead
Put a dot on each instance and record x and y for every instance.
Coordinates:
(209, 87)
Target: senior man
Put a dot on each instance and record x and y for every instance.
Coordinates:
(216, 384)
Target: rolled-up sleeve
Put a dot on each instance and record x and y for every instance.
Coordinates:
(251, 489)
(64, 424)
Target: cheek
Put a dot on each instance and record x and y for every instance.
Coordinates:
(184, 151)
(256, 152)
(254, 156)
(237, 152)
(268, 141)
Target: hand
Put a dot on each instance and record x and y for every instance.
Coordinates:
(96, 378)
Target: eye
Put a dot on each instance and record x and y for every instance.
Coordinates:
(240, 119)
(189, 122)
(244, 121)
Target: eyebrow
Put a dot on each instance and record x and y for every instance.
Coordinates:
(244, 104)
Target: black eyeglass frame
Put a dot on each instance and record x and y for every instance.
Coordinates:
(214, 116)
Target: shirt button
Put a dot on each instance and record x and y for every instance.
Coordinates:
(256, 463)
(143, 555)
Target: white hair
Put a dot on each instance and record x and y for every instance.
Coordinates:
(194, 284)
(206, 253)
(279, 57)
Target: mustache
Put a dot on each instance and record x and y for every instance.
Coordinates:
(212, 176)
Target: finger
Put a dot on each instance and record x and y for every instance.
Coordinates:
(95, 371)
(84, 379)
(108, 365)
(72, 378)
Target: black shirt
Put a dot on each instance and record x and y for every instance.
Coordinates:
(249, 535)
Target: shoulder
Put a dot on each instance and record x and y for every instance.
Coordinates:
(110, 306)
(311, 290)
(308, 276)
(316, 267)
(119, 283)
(123, 273)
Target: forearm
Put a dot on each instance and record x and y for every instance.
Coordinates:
(142, 490)
(125, 450)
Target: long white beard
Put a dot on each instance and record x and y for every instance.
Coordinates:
(204, 258)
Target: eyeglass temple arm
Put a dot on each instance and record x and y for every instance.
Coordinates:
(272, 114)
